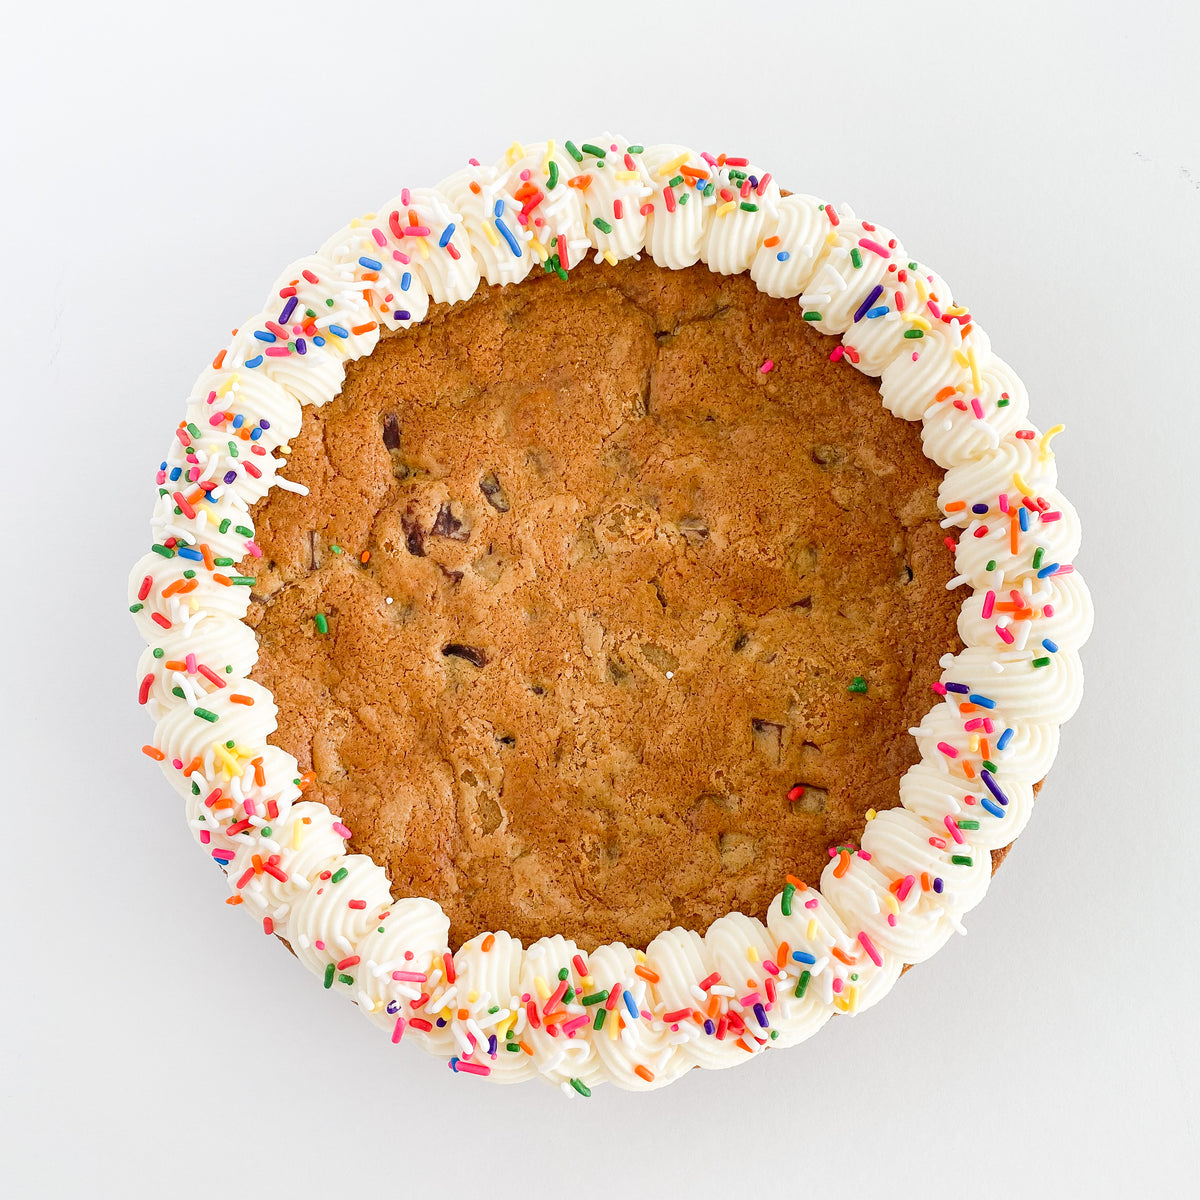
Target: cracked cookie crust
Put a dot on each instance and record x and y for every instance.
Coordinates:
(590, 576)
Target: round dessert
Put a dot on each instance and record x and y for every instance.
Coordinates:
(599, 618)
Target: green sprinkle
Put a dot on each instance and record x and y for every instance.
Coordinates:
(858, 685)
(195, 788)
(802, 984)
(335, 549)
(812, 316)
(229, 744)
(1037, 557)
(636, 149)
(552, 178)
(962, 860)
(968, 824)
(265, 831)
(222, 562)
(737, 176)
(321, 622)
(329, 303)
(244, 530)
(601, 224)
(785, 901)
(1003, 402)
(564, 974)
(348, 980)
(233, 450)
(568, 995)
(329, 975)
(178, 691)
(309, 312)
(988, 765)
(189, 574)
(598, 1023)
(856, 257)
(512, 1047)
(675, 182)
(573, 151)
(991, 565)
(746, 206)
(774, 1034)
(914, 333)
(912, 266)
(193, 430)
(205, 715)
(224, 525)
(136, 607)
(588, 148)
(709, 188)
(684, 198)
(159, 652)
(163, 551)
(581, 1087)
(340, 874)
(1041, 662)
(495, 1009)
(594, 997)
(242, 580)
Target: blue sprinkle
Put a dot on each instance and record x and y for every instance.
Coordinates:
(288, 309)
(339, 330)
(1005, 738)
(255, 434)
(256, 361)
(499, 209)
(1023, 517)
(162, 466)
(507, 234)
(1047, 570)
(878, 311)
(401, 314)
(938, 885)
(982, 701)
(1051, 646)
(230, 476)
(804, 957)
(760, 1014)
(175, 473)
(372, 264)
(447, 234)
(318, 340)
(405, 281)
(301, 346)
(188, 552)
(629, 1004)
(980, 509)
(453, 1064)
(783, 256)
(960, 688)
(239, 421)
(264, 336)
(989, 805)
(865, 306)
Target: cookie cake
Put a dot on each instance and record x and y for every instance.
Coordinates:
(608, 614)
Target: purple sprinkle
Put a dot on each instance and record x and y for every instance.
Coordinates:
(288, 309)
(938, 885)
(980, 509)
(401, 314)
(230, 476)
(992, 786)
(865, 306)
(393, 1008)
(760, 1014)
(301, 346)
(709, 1027)
(264, 424)
(441, 1022)
(492, 1045)
(960, 688)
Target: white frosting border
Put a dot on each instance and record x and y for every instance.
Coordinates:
(687, 1000)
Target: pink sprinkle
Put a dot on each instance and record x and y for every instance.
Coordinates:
(401, 257)
(892, 919)
(320, 945)
(1004, 635)
(217, 419)
(340, 829)
(471, 1068)
(1065, 569)
(762, 184)
(972, 725)
(836, 353)
(377, 234)
(1047, 610)
(770, 967)
(767, 366)
(948, 750)
(977, 408)
(416, 231)
(989, 604)
(905, 888)
(864, 855)
(837, 985)
(406, 195)
(869, 947)
(952, 827)
(253, 550)
(1004, 502)
(938, 687)
(811, 903)
(875, 247)
(933, 308)
(1051, 516)
(205, 837)
(398, 1031)
(410, 977)
(575, 1023)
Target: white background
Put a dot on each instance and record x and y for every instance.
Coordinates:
(161, 165)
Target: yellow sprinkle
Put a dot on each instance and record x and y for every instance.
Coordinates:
(974, 367)
(871, 814)
(811, 931)
(548, 157)
(752, 953)
(422, 245)
(472, 997)
(830, 238)
(955, 310)
(542, 989)
(1044, 444)
(892, 903)
(841, 1003)
(962, 360)
(669, 168)
(232, 766)
(354, 224)
(613, 1025)
(540, 250)
(973, 744)
(226, 384)
(922, 290)
(610, 258)
(852, 1000)
(297, 834)
(727, 207)
(491, 235)
(639, 955)
(515, 152)
(1021, 485)
(626, 174)
(919, 322)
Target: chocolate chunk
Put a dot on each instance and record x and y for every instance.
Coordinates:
(391, 431)
(447, 525)
(741, 641)
(472, 654)
(493, 492)
(314, 541)
(414, 535)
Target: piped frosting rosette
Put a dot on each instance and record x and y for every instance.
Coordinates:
(638, 1018)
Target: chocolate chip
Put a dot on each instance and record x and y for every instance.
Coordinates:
(507, 740)
(391, 431)
(472, 654)
(805, 602)
(447, 525)
(493, 492)
(414, 535)
(741, 641)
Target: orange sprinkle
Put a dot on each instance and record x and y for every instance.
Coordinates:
(475, 188)
(222, 804)
(781, 955)
(985, 750)
(843, 864)
(194, 765)
(742, 1042)
(217, 363)
(365, 328)
(175, 664)
(843, 956)
(646, 973)
(371, 275)
(582, 182)
(239, 699)
(968, 770)
(644, 1073)
(956, 506)
(180, 585)
(945, 394)
(233, 899)
(365, 556)
(463, 1013)
(208, 556)
(260, 777)
(771, 241)
(896, 884)
(223, 580)
(307, 780)
(153, 752)
(714, 1005)
(488, 942)
(798, 884)
(966, 329)
(525, 1048)
(257, 863)
(1014, 532)
(925, 882)
(968, 708)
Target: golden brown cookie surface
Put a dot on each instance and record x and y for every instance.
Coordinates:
(633, 579)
